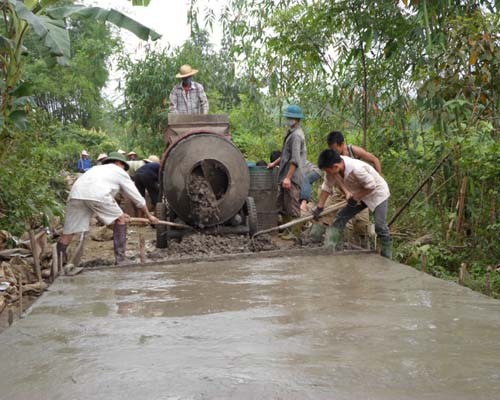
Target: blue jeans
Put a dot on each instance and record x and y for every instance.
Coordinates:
(306, 188)
(379, 214)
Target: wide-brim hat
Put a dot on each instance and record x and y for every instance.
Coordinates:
(84, 153)
(152, 158)
(293, 111)
(121, 151)
(102, 156)
(186, 71)
(115, 156)
(131, 153)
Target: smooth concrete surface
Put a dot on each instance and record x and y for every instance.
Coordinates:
(325, 327)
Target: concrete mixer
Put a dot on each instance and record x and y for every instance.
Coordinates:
(204, 180)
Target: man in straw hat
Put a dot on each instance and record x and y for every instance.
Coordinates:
(84, 163)
(188, 97)
(100, 158)
(131, 156)
(94, 193)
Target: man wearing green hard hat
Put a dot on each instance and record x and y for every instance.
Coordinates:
(291, 167)
(94, 193)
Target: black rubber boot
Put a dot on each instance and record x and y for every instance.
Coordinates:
(386, 248)
(61, 252)
(334, 238)
(119, 243)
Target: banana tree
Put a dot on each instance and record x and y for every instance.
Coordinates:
(49, 22)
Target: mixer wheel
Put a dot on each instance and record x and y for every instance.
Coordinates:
(251, 210)
(161, 212)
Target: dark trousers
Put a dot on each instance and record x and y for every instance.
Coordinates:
(379, 214)
(147, 182)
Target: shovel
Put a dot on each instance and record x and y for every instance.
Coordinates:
(172, 224)
(300, 220)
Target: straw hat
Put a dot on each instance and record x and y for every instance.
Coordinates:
(121, 151)
(84, 153)
(102, 156)
(186, 71)
(131, 153)
(115, 156)
(152, 158)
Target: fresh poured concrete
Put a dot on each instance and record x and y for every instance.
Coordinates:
(324, 327)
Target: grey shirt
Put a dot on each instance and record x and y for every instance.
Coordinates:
(294, 152)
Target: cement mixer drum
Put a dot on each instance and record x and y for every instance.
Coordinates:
(205, 179)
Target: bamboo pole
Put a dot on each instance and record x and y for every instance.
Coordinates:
(461, 205)
(326, 211)
(172, 224)
(20, 280)
(463, 274)
(54, 268)
(419, 188)
(36, 260)
(142, 254)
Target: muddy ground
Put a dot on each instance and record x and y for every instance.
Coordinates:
(194, 245)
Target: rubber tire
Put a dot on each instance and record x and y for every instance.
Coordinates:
(161, 212)
(252, 220)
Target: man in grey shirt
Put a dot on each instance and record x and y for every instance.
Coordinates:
(188, 97)
(291, 164)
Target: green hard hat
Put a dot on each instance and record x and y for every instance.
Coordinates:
(115, 156)
(294, 111)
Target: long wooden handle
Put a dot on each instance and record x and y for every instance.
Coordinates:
(326, 211)
(173, 224)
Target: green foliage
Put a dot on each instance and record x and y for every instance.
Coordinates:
(72, 95)
(254, 130)
(47, 20)
(32, 185)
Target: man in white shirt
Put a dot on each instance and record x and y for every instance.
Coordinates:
(94, 193)
(363, 187)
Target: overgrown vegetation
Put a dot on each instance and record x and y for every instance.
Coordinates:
(414, 82)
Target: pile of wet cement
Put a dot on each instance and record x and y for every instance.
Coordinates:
(198, 245)
(203, 203)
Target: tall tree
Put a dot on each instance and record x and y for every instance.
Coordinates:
(72, 95)
(48, 21)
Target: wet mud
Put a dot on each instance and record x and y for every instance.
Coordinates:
(199, 245)
(319, 327)
(204, 206)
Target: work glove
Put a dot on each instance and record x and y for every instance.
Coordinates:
(316, 213)
(352, 203)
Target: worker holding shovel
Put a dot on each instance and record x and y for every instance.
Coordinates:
(364, 187)
(94, 193)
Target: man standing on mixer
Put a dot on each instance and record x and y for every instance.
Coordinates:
(291, 163)
(188, 97)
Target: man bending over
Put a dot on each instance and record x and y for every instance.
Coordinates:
(363, 187)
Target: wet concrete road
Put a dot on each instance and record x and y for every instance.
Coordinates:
(349, 327)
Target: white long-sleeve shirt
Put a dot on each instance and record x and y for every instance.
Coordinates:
(359, 175)
(103, 182)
